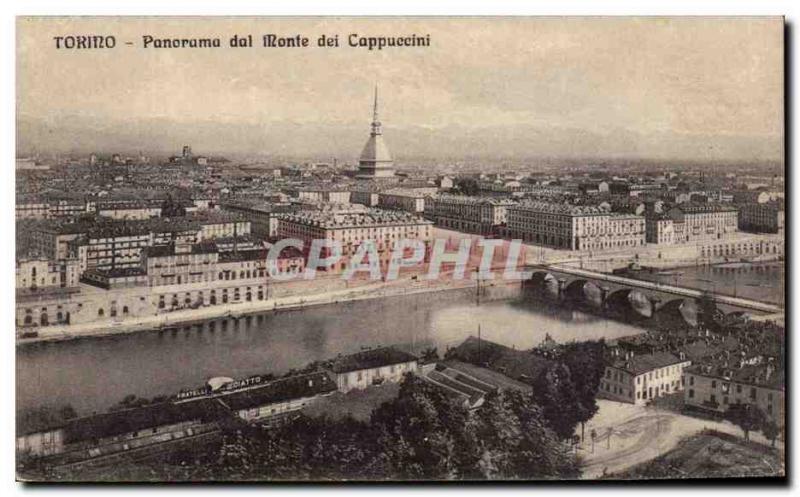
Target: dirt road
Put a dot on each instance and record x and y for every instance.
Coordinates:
(627, 435)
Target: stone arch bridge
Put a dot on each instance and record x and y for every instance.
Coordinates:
(629, 298)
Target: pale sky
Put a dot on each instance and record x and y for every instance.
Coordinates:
(490, 87)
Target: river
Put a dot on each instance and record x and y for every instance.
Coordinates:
(93, 374)
(762, 281)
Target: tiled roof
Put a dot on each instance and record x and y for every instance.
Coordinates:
(465, 199)
(370, 217)
(639, 364)
(131, 420)
(370, 359)
(293, 387)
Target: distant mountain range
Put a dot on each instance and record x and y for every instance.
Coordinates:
(80, 134)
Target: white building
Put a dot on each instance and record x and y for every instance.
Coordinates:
(372, 367)
(637, 379)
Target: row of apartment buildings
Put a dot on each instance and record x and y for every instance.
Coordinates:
(44, 207)
(152, 271)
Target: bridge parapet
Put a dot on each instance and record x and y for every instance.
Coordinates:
(657, 293)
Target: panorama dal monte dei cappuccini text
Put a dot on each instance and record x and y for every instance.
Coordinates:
(354, 40)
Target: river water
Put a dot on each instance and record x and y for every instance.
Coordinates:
(93, 374)
(762, 281)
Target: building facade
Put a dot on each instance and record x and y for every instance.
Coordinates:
(570, 227)
(372, 367)
(768, 217)
(38, 272)
(659, 230)
(479, 215)
(637, 379)
(404, 200)
(352, 228)
(700, 222)
(714, 389)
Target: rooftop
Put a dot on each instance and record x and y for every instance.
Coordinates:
(640, 364)
(370, 359)
(465, 199)
(366, 218)
(563, 208)
(292, 387)
(766, 375)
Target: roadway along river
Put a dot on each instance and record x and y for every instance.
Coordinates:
(93, 374)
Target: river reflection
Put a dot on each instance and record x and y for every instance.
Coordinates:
(93, 374)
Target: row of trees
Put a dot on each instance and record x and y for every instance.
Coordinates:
(423, 434)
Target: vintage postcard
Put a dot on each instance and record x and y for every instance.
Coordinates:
(258, 249)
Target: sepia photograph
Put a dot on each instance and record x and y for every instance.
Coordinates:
(400, 249)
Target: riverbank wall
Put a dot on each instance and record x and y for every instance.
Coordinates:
(484, 291)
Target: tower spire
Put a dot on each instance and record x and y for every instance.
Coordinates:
(375, 161)
(376, 124)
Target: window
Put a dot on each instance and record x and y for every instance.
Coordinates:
(691, 393)
(713, 384)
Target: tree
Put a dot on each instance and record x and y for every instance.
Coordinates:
(555, 393)
(516, 441)
(771, 431)
(586, 364)
(416, 432)
(748, 417)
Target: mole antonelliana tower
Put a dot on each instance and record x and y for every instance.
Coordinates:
(375, 161)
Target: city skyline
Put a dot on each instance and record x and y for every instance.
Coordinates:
(529, 87)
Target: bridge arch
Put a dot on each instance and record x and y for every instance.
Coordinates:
(584, 292)
(630, 303)
(543, 283)
(678, 312)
